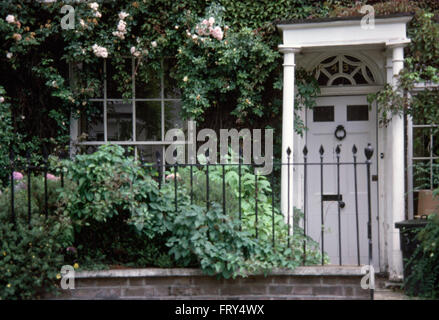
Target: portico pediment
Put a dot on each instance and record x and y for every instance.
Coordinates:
(386, 31)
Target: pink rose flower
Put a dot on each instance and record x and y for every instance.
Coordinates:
(10, 19)
(217, 33)
(17, 175)
(51, 177)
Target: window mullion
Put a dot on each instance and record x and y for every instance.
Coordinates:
(162, 102)
(105, 102)
(133, 83)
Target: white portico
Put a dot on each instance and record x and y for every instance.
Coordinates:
(349, 61)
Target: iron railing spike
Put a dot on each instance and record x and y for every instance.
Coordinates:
(368, 151)
(337, 150)
(354, 149)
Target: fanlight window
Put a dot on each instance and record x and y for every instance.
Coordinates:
(343, 70)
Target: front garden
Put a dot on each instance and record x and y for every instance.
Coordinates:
(110, 211)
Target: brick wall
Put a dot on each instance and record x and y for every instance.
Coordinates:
(303, 283)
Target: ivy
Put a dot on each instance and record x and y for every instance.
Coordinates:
(421, 66)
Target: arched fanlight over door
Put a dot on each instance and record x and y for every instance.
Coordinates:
(343, 70)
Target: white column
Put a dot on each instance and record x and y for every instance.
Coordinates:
(385, 179)
(398, 173)
(288, 131)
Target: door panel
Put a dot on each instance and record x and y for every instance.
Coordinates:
(360, 127)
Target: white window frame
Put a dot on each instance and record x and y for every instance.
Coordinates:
(410, 158)
(74, 129)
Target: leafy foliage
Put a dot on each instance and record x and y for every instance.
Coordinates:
(422, 64)
(139, 222)
(31, 256)
(44, 94)
(116, 207)
(6, 132)
(424, 264)
(224, 73)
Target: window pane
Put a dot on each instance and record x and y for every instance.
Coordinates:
(119, 121)
(172, 89)
(435, 143)
(172, 115)
(92, 126)
(148, 121)
(148, 83)
(369, 74)
(90, 77)
(148, 153)
(422, 174)
(323, 114)
(119, 81)
(357, 113)
(323, 79)
(359, 78)
(421, 142)
(342, 81)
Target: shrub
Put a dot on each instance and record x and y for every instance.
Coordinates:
(232, 194)
(31, 256)
(213, 241)
(120, 216)
(6, 134)
(424, 264)
(37, 195)
(116, 208)
(234, 251)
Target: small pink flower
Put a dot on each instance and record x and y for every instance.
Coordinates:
(172, 177)
(123, 15)
(17, 175)
(200, 30)
(10, 19)
(121, 26)
(72, 250)
(51, 177)
(217, 33)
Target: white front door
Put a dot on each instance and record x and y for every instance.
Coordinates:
(359, 124)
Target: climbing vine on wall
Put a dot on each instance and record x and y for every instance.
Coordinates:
(421, 66)
(233, 75)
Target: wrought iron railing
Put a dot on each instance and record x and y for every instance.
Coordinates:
(162, 169)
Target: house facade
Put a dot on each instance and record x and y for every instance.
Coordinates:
(349, 62)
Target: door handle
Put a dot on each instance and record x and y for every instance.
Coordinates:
(341, 204)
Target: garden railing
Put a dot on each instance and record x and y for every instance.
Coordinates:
(355, 165)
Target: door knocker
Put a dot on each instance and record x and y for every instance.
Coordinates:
(340, 132)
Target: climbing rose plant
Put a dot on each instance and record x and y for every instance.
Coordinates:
(224, 68)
